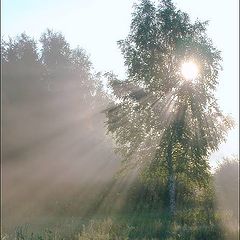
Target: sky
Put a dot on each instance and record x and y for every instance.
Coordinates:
(96, 26)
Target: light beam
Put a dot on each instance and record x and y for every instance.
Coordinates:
(189, 70)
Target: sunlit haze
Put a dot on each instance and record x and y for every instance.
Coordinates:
(189, 70)
(58, 155)
(98, 25)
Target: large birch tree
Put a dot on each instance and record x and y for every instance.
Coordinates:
(163, 123)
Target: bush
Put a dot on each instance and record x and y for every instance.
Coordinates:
(104, 230)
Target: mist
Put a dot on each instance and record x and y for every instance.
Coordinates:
(55, 148)
(69, 132)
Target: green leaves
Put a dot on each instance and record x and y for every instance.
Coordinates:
(160, 39)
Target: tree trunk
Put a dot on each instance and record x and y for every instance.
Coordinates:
(171, 181)
(172, 191)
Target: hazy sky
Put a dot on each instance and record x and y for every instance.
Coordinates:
(97, 25)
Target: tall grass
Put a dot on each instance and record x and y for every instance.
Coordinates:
(144, 225)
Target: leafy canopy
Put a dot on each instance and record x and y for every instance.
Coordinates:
(156, 105)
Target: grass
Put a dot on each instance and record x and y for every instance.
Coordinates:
(138, 219)
(139, 225)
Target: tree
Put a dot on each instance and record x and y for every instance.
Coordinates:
(163, 125)
(53, 127)
(22, 48)
(56, 58)
(21, 68)
(55, 49)
(226, 181)
(80, 71)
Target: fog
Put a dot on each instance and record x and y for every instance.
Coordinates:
(50, 152)
(55, 148)
(57, 158)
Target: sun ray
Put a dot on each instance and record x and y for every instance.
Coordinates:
(189, 70)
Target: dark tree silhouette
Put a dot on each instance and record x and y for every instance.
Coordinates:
(22, 69)
(52, 125)
(56, 58)
(55, 50)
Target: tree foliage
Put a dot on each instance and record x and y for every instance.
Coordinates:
(47, 82)
(226, 178)
(53, 66)
(21, 68)
(164, 125)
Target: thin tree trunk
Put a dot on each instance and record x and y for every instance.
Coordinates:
(172, 191)
(171, 181)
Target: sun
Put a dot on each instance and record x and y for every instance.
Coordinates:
(189, 70)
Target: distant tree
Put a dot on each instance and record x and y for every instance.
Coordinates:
(56, 58)
(81, 72)
(21, 49)
(226, 178)
(55, 50)
(80, 61)
(163, 125)
(21, 68)
(64, 66)
(41, 86)
(70, 76)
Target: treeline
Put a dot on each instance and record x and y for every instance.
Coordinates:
(57, 159)
(51, 76)
(54, 142)
(45, 68)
